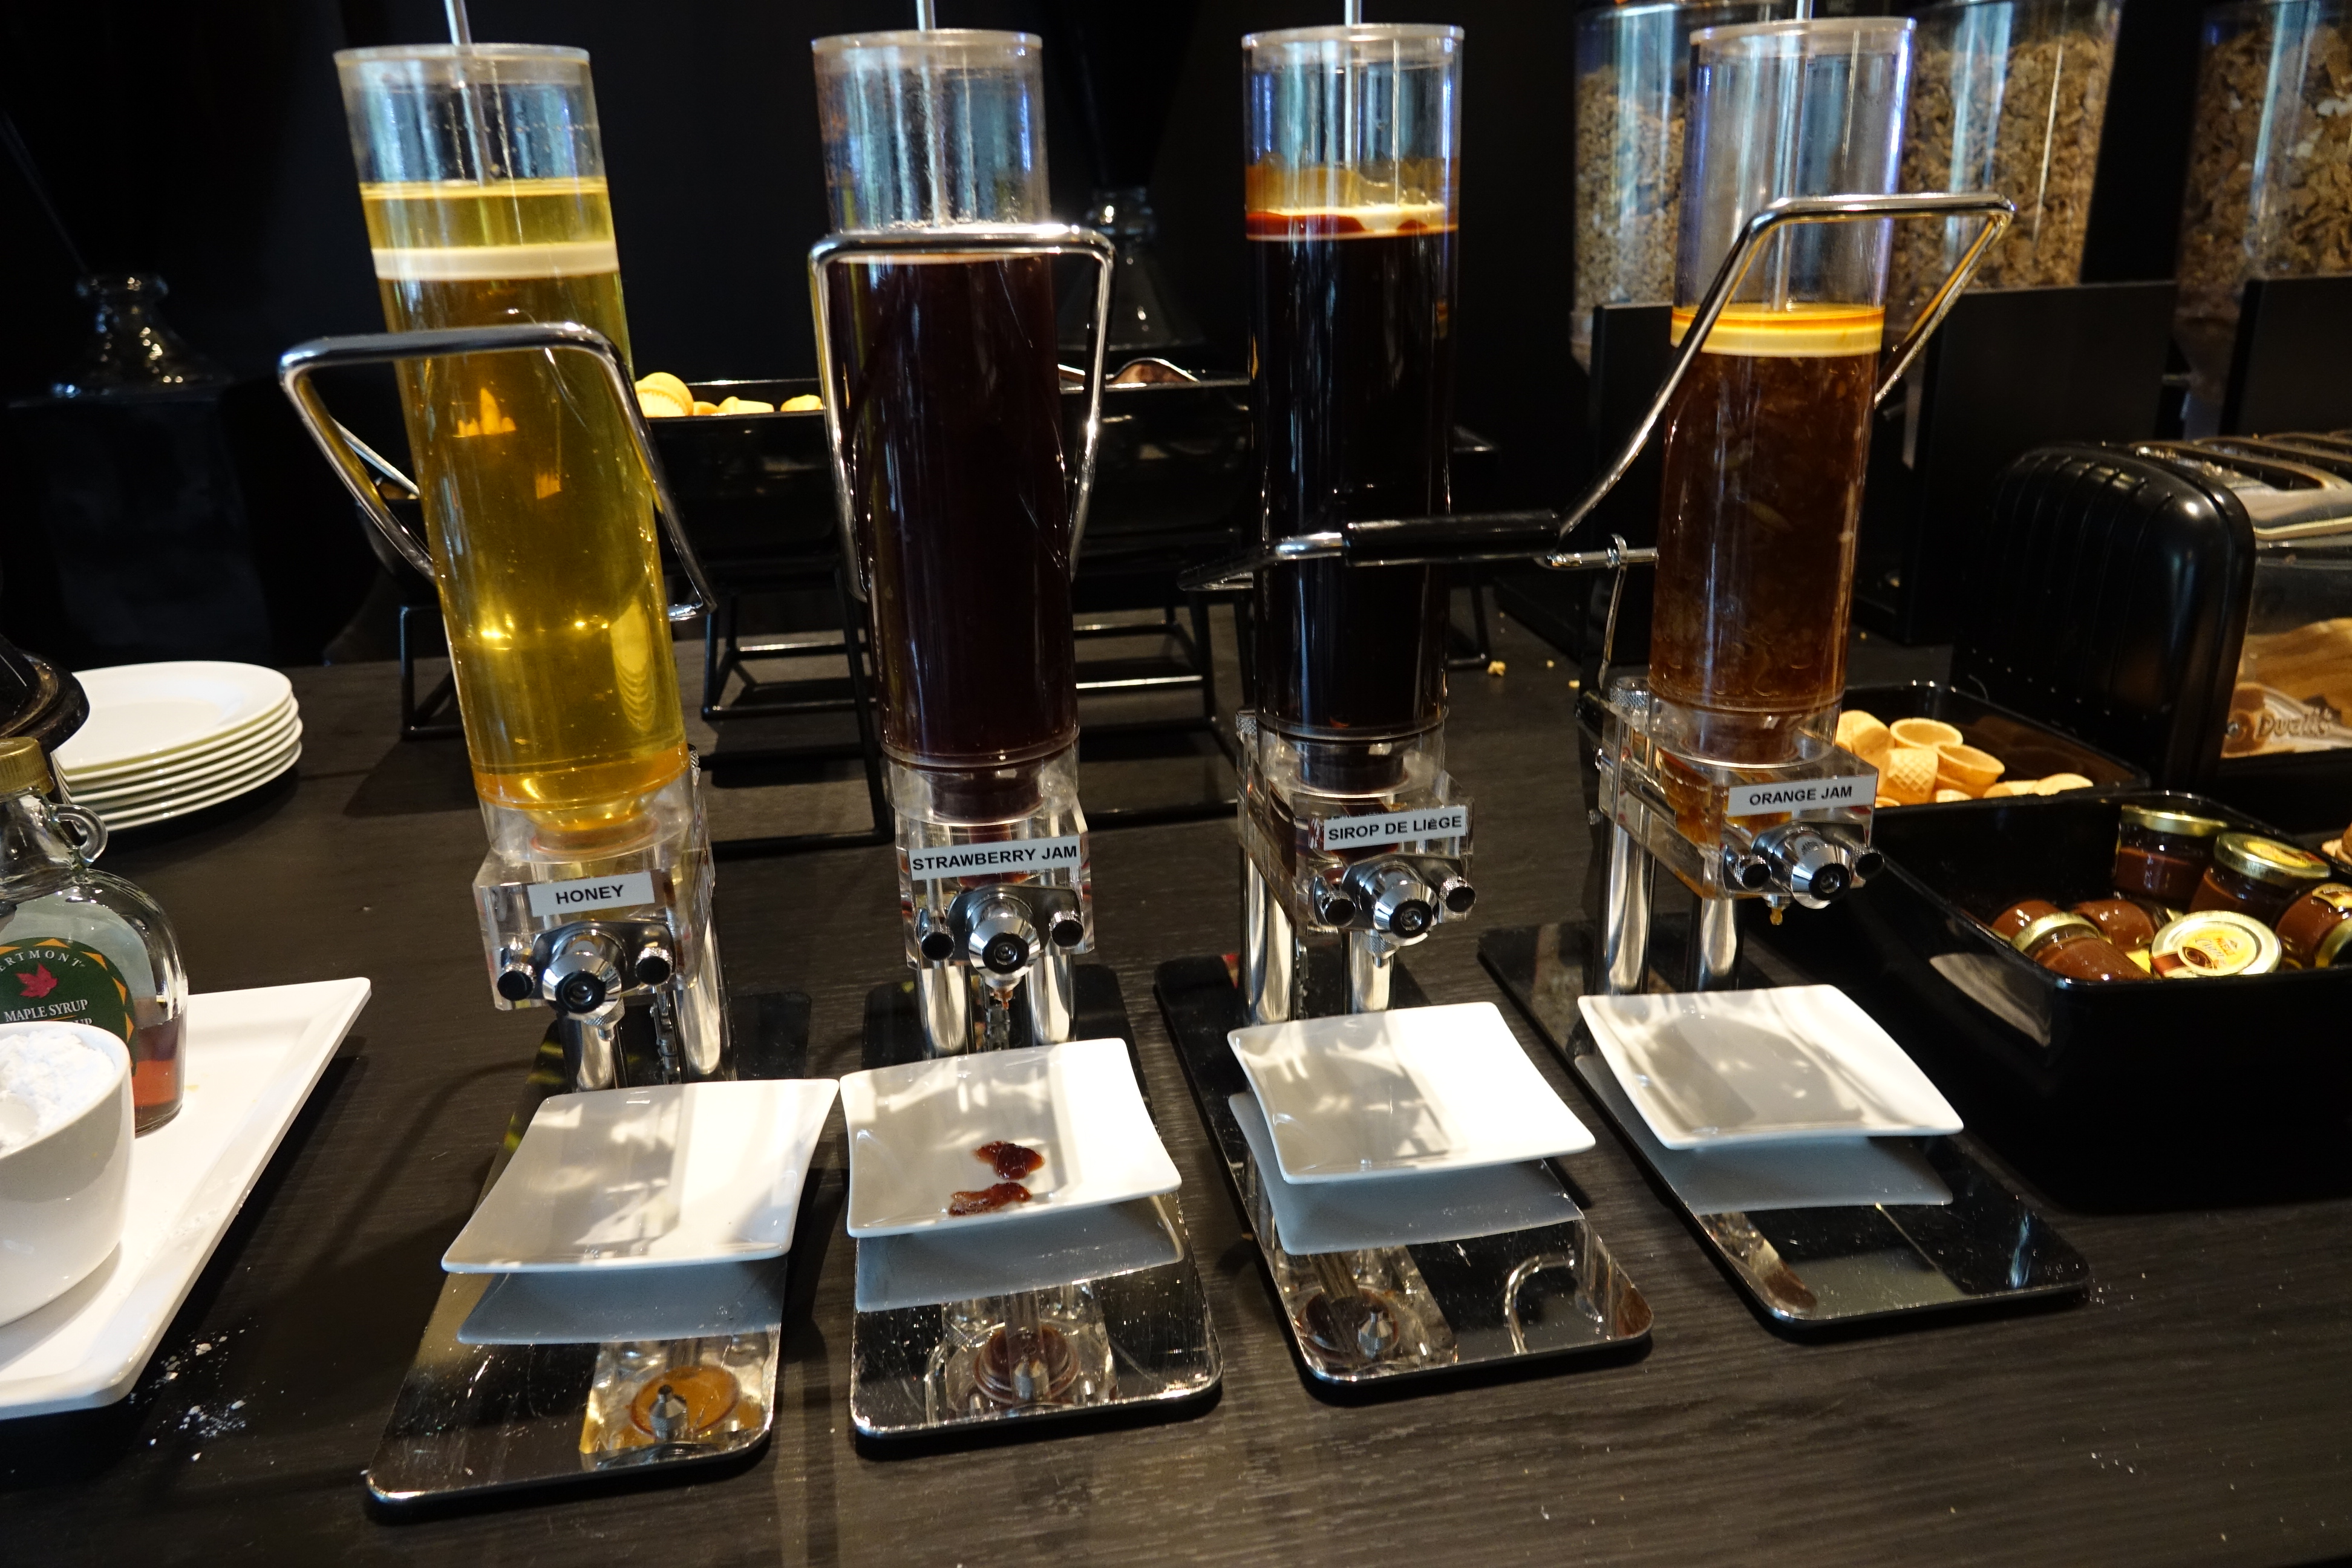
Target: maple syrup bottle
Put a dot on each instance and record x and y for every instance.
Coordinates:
(84, 946)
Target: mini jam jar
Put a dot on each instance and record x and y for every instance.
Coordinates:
(2214, 944)
(2316, 929)
(2257, 876)
(2123, 921)
(2018, 916)
(2161, 854)
(2070, 946)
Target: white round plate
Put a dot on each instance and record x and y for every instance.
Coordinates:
(197, 769)
(141, 816)
(142, 711)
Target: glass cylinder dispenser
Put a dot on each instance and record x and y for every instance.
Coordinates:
(482, 178)
(2008, 96)
(1767, 437)
(950, 410)
(1352, 138)
(2270, 166)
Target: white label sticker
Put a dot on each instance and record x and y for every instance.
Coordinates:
(1800, 794)
(1393, 827)
(1010, 856)
(596, 893)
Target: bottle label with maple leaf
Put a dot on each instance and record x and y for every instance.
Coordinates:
(64, 982)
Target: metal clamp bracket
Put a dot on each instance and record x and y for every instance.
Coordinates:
(353, 459)
(978, 240)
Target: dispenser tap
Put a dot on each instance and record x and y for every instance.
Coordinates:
(1001, 939)
(582, 974)
(1808, 861)
(1403, 906)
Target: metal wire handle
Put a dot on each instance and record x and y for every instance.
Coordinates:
(962, 240)
(1542, 535)
(353, 459)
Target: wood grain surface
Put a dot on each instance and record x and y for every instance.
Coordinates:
(2196, 1409)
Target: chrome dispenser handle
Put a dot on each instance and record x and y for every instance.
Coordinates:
(962, 240)
(1543, 536)
(352, 458)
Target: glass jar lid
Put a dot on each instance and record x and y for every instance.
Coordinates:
(2041, 930)
(2213, 944)
(2177, 824)
(2268, 861)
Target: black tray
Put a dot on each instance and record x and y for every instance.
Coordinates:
(2138, 1093)
(2028, 748)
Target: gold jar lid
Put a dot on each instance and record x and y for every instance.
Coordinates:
(22, 766)
(2178, 824)
(2040, 929)
(2268, 861)
(2213, 944)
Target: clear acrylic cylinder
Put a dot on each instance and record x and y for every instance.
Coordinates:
(1352, 142)
(482, 180)
(945, 373)
(2270, 166)
(2007, 96)
(1767, 438)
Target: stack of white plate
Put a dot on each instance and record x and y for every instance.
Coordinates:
(164, 740)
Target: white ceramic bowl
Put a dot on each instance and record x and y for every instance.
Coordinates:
(62, 1195)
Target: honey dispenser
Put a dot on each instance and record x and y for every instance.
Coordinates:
(961, 507)
(1356, 844)
(482, 180)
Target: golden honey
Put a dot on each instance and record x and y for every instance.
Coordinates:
(541, 514)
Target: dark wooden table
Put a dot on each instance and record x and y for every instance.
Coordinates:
(2197, 1408)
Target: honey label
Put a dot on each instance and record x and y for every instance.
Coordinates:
(1393, 827)
(61, 982)
(1005, 858)
(632, 890)
(1799, 794)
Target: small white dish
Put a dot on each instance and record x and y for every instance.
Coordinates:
(948, 1263)
(140, 712)
(251, 1059)
(62, 1193)
(1392, 1094)
(1361, 1217)
(602, 1305)
(1756, 1178)
(650, 1178)
(915, 1133)
(1781, 1064)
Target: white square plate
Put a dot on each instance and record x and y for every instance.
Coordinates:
(1361, 1217)
(650, 1178)
(252, 1058)
(948, 1263)
(1387, 1094)
(600, 1306)
(915, 1133)
(1790, 1062)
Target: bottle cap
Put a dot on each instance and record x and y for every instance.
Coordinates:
(2268, 861)
(2176, 823)
(2212, 945)
(22, 766)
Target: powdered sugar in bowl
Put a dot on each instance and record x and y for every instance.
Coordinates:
(65, 1158)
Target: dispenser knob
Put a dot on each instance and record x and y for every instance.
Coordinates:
(1457, 895)
(1333, 906)
(514, 982)
(1002, 938)
(653, 966)
(1069, 931)
(933, 940)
